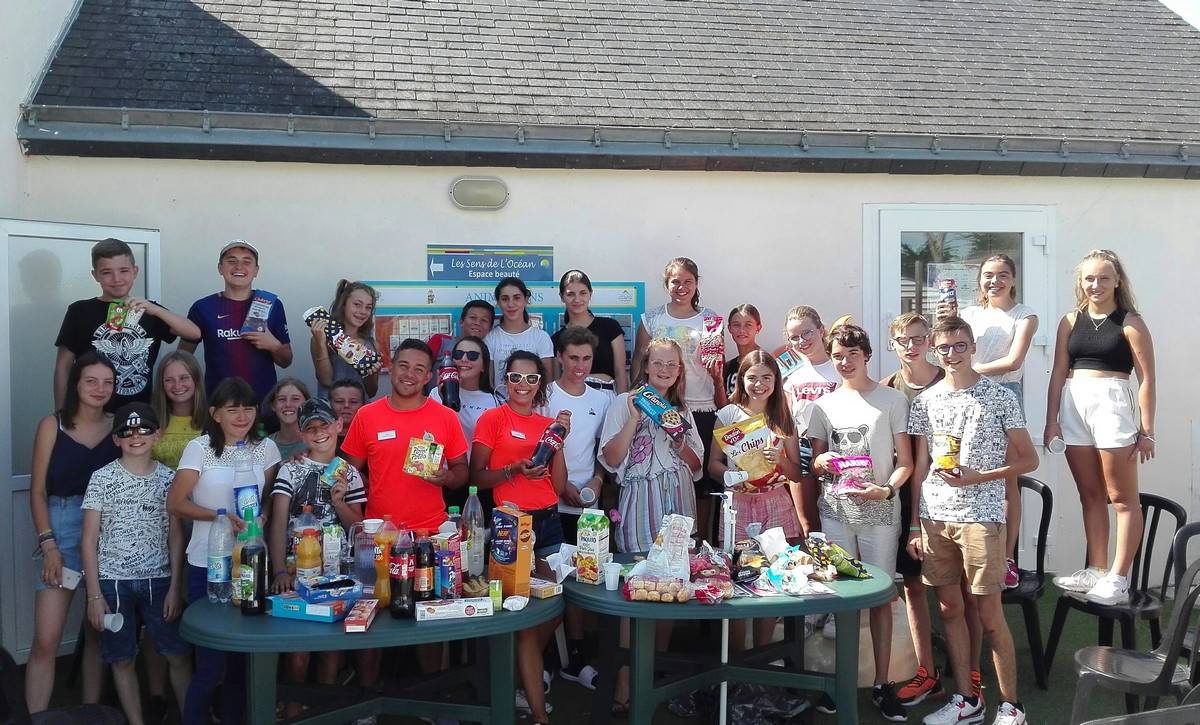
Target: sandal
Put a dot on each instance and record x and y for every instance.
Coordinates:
(620, 710)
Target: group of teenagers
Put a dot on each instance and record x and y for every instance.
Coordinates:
(133, 459)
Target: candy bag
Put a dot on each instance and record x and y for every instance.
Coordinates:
(851, 474)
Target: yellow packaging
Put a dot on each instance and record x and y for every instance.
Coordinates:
(512, 550)
(542, 589)
(424, 457)
(944, 450)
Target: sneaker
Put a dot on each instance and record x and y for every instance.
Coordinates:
(829, 631)
(826, 704)
(1112, 589)
(884, 698)
(959, 711)
(1082, 580)
(684, 705)
(1009, 714)
(585, 675)
(547, 678)
(523, 704)
(156, 710)
(977, 685)
(921, 687)
(1012, 577)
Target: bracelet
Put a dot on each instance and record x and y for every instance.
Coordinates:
(43, 532)
(47, 535)
(281, 572)
(507, 474)
(914, 528)
(891, 491)
(94, 597)
(1147, 436)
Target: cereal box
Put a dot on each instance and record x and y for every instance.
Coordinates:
(512, 550)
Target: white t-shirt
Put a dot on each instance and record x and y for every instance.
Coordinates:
(501, 344)
(994, 330)
(214, 489)
(699, 388)
(806, 384)
(471, 405)
(579, 448)
(133, 521)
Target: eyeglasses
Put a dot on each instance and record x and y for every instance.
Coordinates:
(128, 432)
(529, 378)
(663, 365)
(915, 340)
(471, 355)
(959, 347)
(804, 335)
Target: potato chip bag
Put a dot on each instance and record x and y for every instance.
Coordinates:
(743, 444)
(944, 448)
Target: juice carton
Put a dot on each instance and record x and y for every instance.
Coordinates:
(593, 552)
(332, 537)
(447, 582)
(512, 550)
(424, 457)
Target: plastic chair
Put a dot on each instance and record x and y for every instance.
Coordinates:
(12, 704)
(1154, 674)
(1142, 603)
(1182, 715)
(1179, 549)
(1032, 584)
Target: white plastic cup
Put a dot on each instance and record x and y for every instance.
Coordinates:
(612, 576)
(1057, 446)
(113, 622)
(587, 495)
(733, 477)
(372, 526)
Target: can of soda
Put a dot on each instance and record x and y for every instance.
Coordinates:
(948, 296)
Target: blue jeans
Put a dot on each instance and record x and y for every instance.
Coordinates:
(211, 666)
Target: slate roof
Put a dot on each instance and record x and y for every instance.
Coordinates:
(1112, 70)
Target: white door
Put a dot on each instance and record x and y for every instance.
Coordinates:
(46, 266)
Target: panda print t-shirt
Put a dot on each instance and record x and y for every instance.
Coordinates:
(860, 425)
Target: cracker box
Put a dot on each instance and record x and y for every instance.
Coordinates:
(664, 415)
(542, 589)
(293, 606)
(593, 552)
(317, 589)
(361, 616)
(512, 550)
(438, 609)
(260, 310)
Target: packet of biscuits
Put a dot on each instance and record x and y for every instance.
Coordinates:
(424, 457)
(712, 341)
(664, 415)
(743, 444)
(363, 359)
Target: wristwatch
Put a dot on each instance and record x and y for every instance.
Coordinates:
(891, 491)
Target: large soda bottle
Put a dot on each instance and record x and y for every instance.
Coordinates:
(473, 534)
(447, 380)
(384, 538)
(401, 566)
(423, 574)
(254, 571)
(550, 443)
(220, 559)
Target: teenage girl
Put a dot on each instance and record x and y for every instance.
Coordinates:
(204, 483)
(1003, 330)
(178, 400)
(285, 400)
(476, 396)
(68, 448)
(1090, 406)
(608, 365)
(744, 324)
(515, 331)
(354, 308)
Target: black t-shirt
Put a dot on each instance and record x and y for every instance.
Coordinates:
(132, 350)
(606, 329)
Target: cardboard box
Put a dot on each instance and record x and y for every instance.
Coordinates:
(438, 609)
(447, 583)
(512, 550)
(361, 616)
(315, 590)
(260, 310)
(593, 552)
(542, 589)
(293, 606)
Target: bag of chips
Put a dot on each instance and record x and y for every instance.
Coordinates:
(851, 474)
(827, 553)
(743, 444)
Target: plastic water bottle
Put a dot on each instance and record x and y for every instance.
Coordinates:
(473, 532)
(220, 559)
(246, 483)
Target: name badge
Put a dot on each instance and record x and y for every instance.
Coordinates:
(386, 435)
(518, 435)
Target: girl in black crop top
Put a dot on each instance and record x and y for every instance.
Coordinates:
(1090, 407)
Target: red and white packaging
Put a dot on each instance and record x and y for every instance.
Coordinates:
(361, 616)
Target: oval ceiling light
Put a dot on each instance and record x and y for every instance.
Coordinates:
(478, 192)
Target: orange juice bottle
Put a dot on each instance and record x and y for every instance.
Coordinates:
(308, 554)
(387, 535)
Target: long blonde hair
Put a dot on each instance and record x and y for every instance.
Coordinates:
(677, 393)
(1123, 294)
(158, 399)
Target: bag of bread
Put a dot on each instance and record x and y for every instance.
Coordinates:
(743, 444)
(668, 555)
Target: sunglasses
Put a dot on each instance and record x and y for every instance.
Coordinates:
(470, 355)
(529, 378)
(140, 430)
(959, 347)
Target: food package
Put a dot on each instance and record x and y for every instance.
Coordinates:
(512, 550)
(743, 444)
(825, 553)
(475, 586)
(944, 449)
(668, 555)
(337, 467)
(790, 571)
(712, 341)
(439, 609)
(708, 594)
(328, 588)
(593, 550)
(120, 316)
(260, 311)
(662, 413)
(709, 566)
(773, 542)
(363, 359)
(361, 616)
(424, 457)
(655, 589)
(293, 606)
(851, 474)
(542, 589)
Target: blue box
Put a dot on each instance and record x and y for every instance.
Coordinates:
(292, 606)
(328, 588)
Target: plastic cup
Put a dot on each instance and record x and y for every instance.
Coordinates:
(114, 622)
(1057, 446)
(587, 495)
(372, 526)
(733, 477)
(612, 576)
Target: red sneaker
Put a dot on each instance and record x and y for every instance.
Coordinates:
(921, 687)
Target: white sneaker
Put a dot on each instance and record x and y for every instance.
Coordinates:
(829, 631)
(523, 703)
(1008, 714)
(1082, 580)
(1112, 589)
(957, 712)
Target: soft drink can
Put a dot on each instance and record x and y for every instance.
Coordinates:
(496, 590)
(948, 295)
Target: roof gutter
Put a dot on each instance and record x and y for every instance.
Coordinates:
(187, 134)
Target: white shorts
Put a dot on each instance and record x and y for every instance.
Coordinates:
(1097, 412)
(873, 544)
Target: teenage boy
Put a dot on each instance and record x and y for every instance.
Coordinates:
(130, 344)
(133, 558)
(576, 348)
(958, 526)
(476, 318)
(298, 485)
(229, 352)
(863, 419)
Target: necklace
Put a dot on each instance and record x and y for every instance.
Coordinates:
(1096, 325)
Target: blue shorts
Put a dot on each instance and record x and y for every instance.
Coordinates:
(140, 602)
(1015, 387)
(66, 518)
(547, 531)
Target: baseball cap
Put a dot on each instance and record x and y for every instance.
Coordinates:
(135, 415)
(315, 409)
(234, 245)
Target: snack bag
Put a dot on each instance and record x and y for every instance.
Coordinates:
(363, 359)
(944, 448)
(668, 555)
(825, 553)
(790, 571)
(712, 341)
(260, 309)
(424, 457)
(851, 474)
(743, 444)
(711, 567)
(663, 414)
(656, 589)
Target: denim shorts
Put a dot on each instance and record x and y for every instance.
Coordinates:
(547, 533)
(66, 518)
(140, 602)
(1015, 387)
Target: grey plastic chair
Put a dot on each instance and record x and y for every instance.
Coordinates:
(1153, 674)
(1182, 715)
